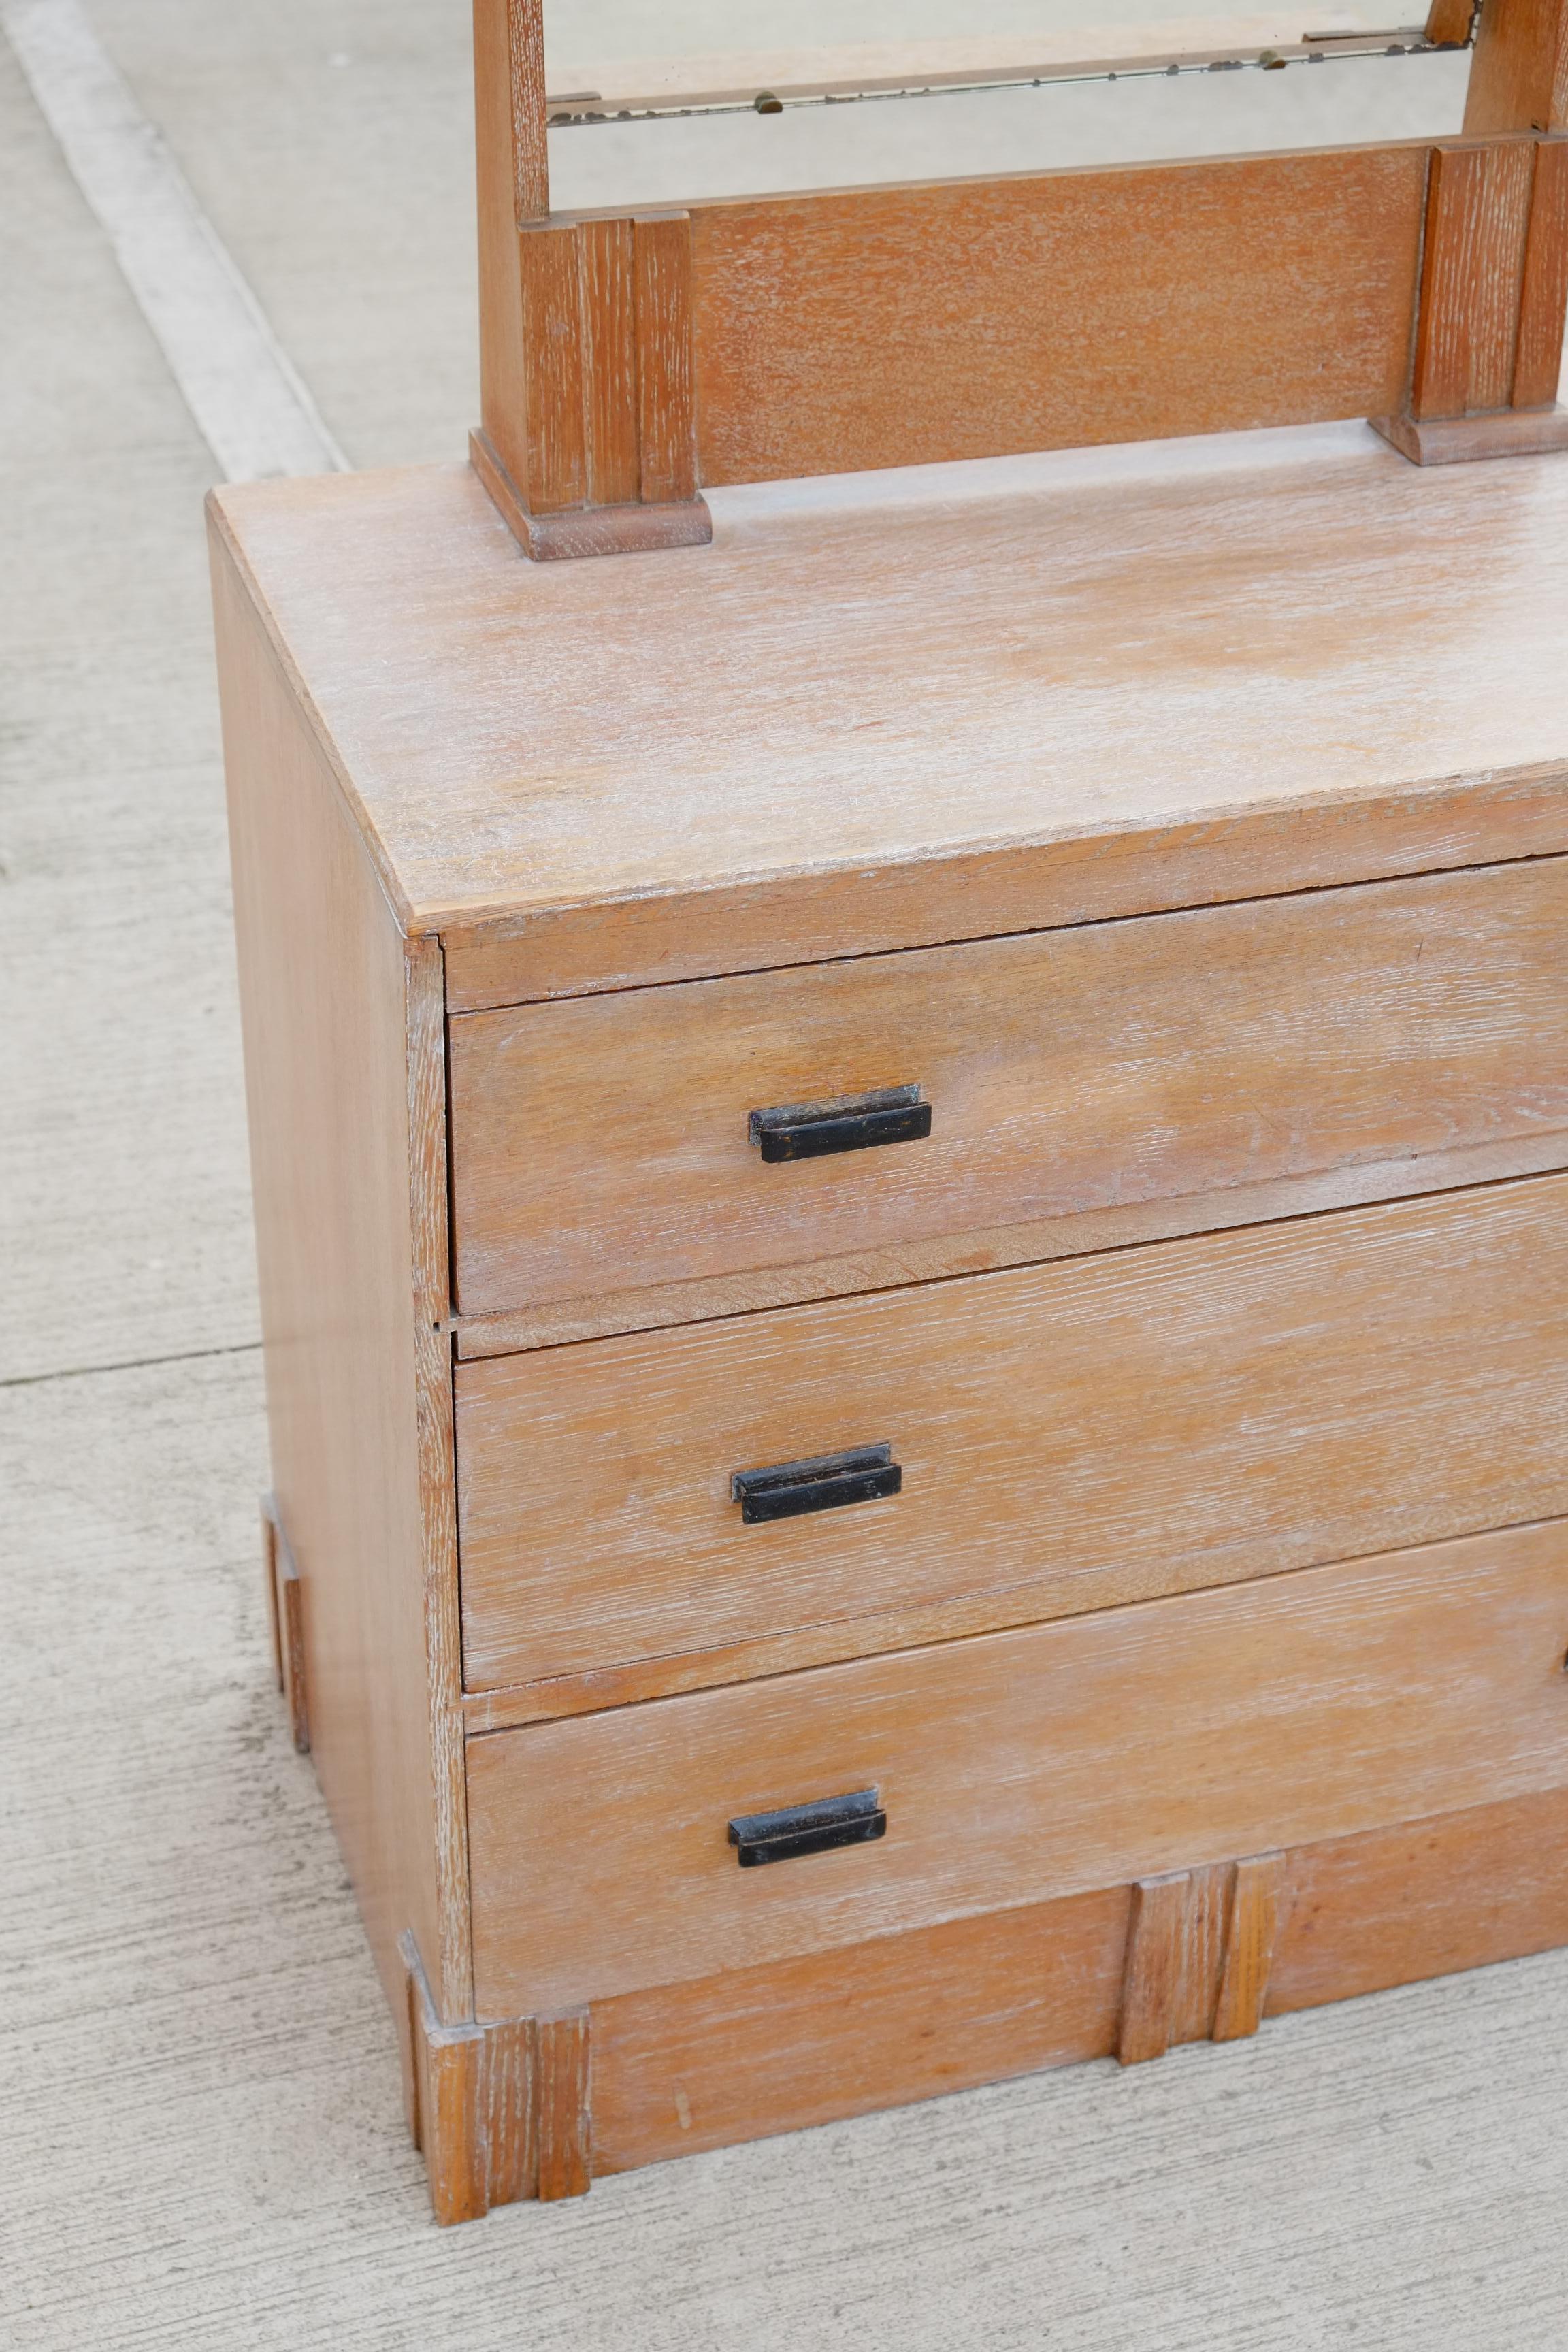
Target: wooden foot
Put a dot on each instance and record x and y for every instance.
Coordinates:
(286, 1611)
(1461, 440)
(630, 529)
(1199, 1946)
(500, 2112)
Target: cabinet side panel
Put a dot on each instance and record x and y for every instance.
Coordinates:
(343, 1086)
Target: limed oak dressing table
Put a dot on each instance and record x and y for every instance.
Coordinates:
(911, 1145)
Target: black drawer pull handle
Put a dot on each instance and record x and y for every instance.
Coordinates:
(865, 1474)
(807, 1130)
(855, 1820)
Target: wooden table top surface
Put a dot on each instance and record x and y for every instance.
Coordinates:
(906, 668)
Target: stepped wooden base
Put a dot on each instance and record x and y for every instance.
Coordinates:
(589, 530)
(541, 2107)
(1460, 440)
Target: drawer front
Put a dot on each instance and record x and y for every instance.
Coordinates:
(1017, 1767)
(1065, 1437)
(605, 1144)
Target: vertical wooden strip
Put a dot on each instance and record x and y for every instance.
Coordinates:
(1518, 80)
(1543, 308)
(666, 421)
(510, 2148)
(503, 396)
(564, 2124)
(1202, 1957)
(553, 349)
(291, 1612)
(288, 1604)
(1153, 1976)
(1256, 1890)
(408, 2023)
(610, 362)
(1442, 373)
(448, 2071)
(425, 994)
(1497, 275)
(530, 135)
(1477, 214)
(270, 1578)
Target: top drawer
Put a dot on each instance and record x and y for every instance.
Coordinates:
(605, 1143)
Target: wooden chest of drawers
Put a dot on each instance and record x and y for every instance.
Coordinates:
(913, 1186)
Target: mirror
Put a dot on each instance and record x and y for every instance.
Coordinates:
(662, 102)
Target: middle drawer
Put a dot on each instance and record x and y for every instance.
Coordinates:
(1067, 1436)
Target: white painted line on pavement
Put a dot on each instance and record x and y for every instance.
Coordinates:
(251, 407)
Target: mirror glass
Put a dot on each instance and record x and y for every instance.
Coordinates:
(661, 102)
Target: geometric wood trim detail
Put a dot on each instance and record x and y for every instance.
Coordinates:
(500, 2112)
(1155, 1937)
(1199, 1946)
(286, 1614)
(608, 445)
(1543, 304)
(1477, 221)
(1493, 305)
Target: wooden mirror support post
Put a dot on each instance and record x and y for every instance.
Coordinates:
(631, 359)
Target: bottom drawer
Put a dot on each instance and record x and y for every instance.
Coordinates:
(1017, 1766)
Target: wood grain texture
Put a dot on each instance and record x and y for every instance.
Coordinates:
(450, 2115)
(1518, 80)
(426, 1097)
(1418, 1899)
(1255, 1885)
(502, 381)
(908, 326)
(1197, 1956)
(475, 2111)
(609, 317)
(1449, 22)
(1154, 1968)
(556, 471)
(563, 2097)
(343, 1067)
(1543, 302)
(795, 2043)
(605, 1142)
(982, 715)
(1071, 1436)
(664, 335)
(1478, 219)
(984, 1249)
(605, 390)
(510, 2111)
(1019, 1765)
(525, 83)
